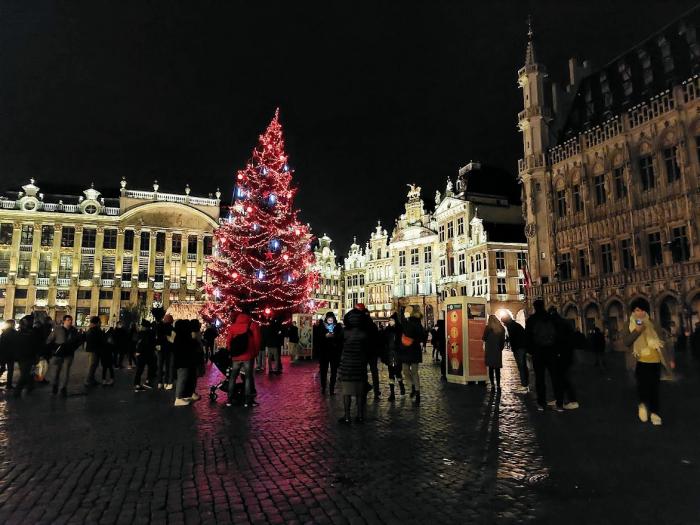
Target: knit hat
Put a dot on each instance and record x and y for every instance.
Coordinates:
(360, 306)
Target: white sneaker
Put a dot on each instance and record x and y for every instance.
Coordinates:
(655, 419)
(181, 402)
(195, 397)
(168, 386)
(643, 413)
(552, 403)
(160, 385)
(571, 405)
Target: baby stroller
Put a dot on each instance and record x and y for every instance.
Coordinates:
(222, 361)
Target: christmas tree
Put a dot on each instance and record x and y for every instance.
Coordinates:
(263, 252)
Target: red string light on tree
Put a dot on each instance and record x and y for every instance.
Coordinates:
(263, 258)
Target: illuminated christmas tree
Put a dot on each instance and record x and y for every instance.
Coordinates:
(263, 253)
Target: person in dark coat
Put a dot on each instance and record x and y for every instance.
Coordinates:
(242, 363)
(328, 341)
(542, 340)
(596, 342)
(374, 345)
(353, 362)
(563, 360)
(145, 356)
(439, 340)
(293, 335)
(62, 343)
(29, 346)
(517, 339)
(494, 339)
(8, 351)
(391, 336)
(95, 347)
(411, 351)
(122, 340)
(184, 354)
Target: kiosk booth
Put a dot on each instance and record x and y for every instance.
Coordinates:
(305, 325)
(465, 322)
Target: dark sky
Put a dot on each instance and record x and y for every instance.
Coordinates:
(372, 95)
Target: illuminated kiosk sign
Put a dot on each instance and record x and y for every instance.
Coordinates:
(465, 321)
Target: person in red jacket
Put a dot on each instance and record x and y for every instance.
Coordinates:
(243, 326)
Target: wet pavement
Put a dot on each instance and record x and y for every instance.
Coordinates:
(465, 456)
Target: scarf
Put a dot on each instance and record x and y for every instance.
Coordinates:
(647, 340)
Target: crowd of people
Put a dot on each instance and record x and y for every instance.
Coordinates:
(168, 354)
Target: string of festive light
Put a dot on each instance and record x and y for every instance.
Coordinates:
(263, 254)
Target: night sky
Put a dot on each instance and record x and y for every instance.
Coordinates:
(372, 95)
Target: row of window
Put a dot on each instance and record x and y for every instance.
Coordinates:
(109, 242)
(648, 181)
(85, 294)
(450, 229)
(87, 267)
(480, 287)
(415, 256)
(679, 245)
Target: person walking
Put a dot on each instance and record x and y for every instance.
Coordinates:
(329, 346)
(410, 350)
(563, 361)
(198, 359)
(517, 338)
(439, 340)
(243, 340)
(107, 353)
(122, 340)
(8, 351)
(95, 347)
(273, 346)
(391, 336)
(374, 345)
(63, 341)
(353, 362)
(145, 356)
(494, 339)
(29, 346)
(651, 356)
(541, 332)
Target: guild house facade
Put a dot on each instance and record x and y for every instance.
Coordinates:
(89, 254)
(611, 182)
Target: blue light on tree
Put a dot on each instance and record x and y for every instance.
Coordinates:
(272, 199)
(274, 244)
(285, 168)
(260, 275)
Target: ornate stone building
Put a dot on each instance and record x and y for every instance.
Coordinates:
(354, 273)
(611, 182)
(379, 277)
(329, 291)
(93, 255)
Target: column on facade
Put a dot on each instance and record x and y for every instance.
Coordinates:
(200, 264)
(151, 267)
(77, 260)
(97, 272)
(183, 266)
(34, 267)
(166, 268)
(53, 275)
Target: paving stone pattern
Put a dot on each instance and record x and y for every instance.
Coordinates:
(467, 455)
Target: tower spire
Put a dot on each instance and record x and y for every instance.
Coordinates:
(530, 58)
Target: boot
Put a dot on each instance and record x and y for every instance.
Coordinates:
(402, 388)
(250, 402)
(416, 401)
(413, 391)
(391, 397)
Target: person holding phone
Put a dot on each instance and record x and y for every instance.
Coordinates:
(651, 356)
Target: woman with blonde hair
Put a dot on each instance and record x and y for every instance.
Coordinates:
(494, 339)
(648, 350)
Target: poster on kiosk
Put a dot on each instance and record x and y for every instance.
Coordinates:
(465, 321)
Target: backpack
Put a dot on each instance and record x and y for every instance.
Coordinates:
(239, 343)
(545, 333)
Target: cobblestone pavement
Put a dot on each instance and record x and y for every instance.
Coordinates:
(464, 456)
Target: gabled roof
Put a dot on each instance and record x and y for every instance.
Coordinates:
(664, 59)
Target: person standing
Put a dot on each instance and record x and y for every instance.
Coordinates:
(649, 352)
(8, 351)
(439, 340)
(95, 347)
(198, 359)
(164, 348)
(596, 342)
(541, 332)
(122, 340)
(273, 346)
(329, 346)
(184, 359)
(243, 340)
(145, 356)
(411, 351)
(563, 360)
(518, 344)
(293, 334)
(209, 340)
(63, 341)
(29, 345)
(107, 353)
(372, 352)
(353, 362)
(390, 357)
(494, 339)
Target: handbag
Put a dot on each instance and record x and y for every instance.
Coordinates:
(405, 340)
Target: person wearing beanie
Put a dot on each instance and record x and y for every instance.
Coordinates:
(353, 362)
(651, 355)
(329, 346)
(410, 351)
(392, 338)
